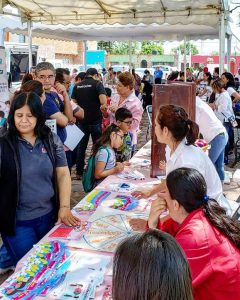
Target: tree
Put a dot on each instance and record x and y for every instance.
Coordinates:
(151, 48)
(107, 46)
(123, 48)
(189, 47)
(117, 47)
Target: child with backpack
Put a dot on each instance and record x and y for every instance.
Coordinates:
(103, 163)
(124, 120)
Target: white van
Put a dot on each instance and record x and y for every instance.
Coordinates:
(140, 71)
(121, 68)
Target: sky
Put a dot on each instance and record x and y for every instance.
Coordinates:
(208, 46)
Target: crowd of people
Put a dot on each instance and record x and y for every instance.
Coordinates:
(196, 250)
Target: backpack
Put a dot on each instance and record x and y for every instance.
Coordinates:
(88, 178)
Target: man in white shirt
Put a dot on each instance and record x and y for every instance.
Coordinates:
(214, 133)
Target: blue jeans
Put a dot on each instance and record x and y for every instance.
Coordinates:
(230, 143)
(95, 131)
(27, 234)
(216, 153)
(5, 258)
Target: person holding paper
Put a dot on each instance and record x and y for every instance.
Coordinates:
(53, 106)
(33, 168)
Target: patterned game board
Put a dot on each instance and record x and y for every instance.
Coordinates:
(106, 230)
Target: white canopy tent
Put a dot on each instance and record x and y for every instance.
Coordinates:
(123, 12)
(111, 32)
(122, 20)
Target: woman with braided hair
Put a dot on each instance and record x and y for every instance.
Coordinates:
(209, 238)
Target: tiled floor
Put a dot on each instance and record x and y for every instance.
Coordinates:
(232, 190)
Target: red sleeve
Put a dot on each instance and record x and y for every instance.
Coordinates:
(168, 226)
(198, 256)
(196, 249)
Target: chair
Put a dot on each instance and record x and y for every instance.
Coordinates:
(149, 114)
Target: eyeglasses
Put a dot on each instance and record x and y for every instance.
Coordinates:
(127, 122)
(121, 136)
(43, 77)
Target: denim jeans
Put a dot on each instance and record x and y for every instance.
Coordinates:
(216, 153)
(5, 258)
(230, 143)
(27, 234)
(95, 131)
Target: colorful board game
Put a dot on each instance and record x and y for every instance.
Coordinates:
(107, 228)
(45, 269)
(103, 198)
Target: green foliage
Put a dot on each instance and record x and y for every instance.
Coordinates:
(189, 46)
(123, 47)
(151, 48)
(117, 47)
(107, 46)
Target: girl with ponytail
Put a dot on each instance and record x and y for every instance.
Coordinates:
(209, 238)
(178, 132)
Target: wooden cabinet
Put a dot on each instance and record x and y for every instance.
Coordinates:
(177, 93)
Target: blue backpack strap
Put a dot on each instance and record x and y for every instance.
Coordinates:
(108, 152)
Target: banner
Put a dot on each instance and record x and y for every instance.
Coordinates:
(4, 95)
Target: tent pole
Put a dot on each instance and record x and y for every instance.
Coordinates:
(229, 48)
(221, 44)
(130, 56)
(190, 57)
(2, 37)
(85, 55)
(29, 24)
(185, 58)
(179, 60)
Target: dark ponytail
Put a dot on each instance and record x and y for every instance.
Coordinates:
(193, 132)
(218, 218)
(176, 120)
(105, 138)
(189, 188)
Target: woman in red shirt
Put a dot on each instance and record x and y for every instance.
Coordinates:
(209, 238)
